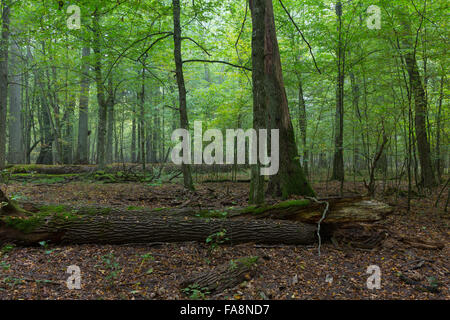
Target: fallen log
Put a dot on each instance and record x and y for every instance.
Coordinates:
(418, 285)
(263, 225)
(51, 169)
(341, 210)
(66, 228)
(418, 243)
(223, 277)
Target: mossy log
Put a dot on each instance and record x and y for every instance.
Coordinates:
(222, 277)
(51, 169)
(341, 210)
(62, 224)
(143, 228)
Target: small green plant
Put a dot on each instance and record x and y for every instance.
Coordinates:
(44, 244)
(146, 257)
(18, 197)
(195, 292)
(213, 214)
(233, 265)
(216, 239)
(112, 266)
(248, 262)
(7, 248)
(5, 266)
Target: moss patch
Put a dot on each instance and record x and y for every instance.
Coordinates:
(220, 214)
(24, 224)
(292, 203)
(32, 221)
(135, 208)
(248, 262)
(282, 205)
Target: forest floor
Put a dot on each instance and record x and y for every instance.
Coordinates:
(155, 271)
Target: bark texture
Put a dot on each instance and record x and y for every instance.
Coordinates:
(258, 9)
(4, 44)
(15, 154)
(225, 276)
(139, 228)
(290, 179)
(338, 158)
(102, 103)
(82, 155)
(184, 122)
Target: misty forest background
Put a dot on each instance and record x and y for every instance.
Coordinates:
(358, 91)
(112, 83)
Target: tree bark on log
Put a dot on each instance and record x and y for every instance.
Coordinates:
(264, 224)
(138, 228)
(223, 277)
(341, 210)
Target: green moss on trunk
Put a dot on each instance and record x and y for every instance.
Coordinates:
(29, 222)
(255, 210)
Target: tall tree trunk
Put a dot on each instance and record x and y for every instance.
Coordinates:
(438, 132)
(28, 123)
(68, 130)
(133, 135)
(417, 92)
(302, 122)
(184, 122)
(423, 146)
(338, 159)
(290, 178)
(102, 103)
(47, 136)
(15, 154)
(82, 156)
(110, 122)
(258, 10)
(4, 44)
(357, 161)
(141, 97)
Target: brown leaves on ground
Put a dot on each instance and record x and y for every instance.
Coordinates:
(284, 272)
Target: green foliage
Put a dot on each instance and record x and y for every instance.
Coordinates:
(7, 248)
(113, 268)
(220, 214)
(5, 176)
(147, 256)
(5, 266)
(137, 33)
(47, 214)
(195, 292)
(216, 239)
(44, 244)
(134, 208)
(248, 262)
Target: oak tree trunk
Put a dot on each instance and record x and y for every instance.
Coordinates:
(290, 179)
